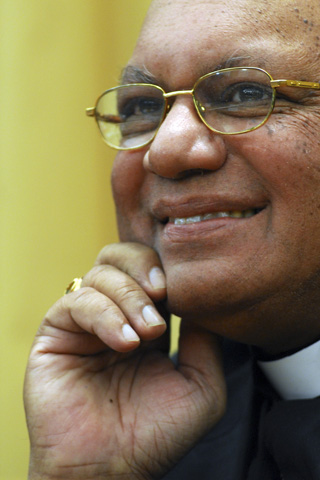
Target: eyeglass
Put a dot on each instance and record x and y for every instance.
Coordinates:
(231, 101)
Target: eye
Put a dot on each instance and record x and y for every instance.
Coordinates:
(246, 92)
(139, 106)
(140, 114)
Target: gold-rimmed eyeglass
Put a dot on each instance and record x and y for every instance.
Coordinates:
(231, 101)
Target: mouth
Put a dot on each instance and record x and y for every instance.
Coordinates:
(237, 214)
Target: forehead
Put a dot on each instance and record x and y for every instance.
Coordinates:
(196, 37)
(291, 17)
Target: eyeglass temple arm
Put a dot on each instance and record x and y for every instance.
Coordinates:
(295, 83)
(91, 112)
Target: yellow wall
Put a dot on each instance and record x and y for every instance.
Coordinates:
(56, 209)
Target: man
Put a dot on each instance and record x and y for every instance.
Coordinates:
(218, 211)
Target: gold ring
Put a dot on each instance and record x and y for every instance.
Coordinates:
(73, 286)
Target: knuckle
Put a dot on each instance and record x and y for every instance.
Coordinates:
(122, 255)
(98, 307)
(106, 254)
(128, 292)
(107, 312)
(84, 296)
(97, 275)
(114, 283)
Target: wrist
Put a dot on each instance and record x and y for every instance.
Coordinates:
(53, 472)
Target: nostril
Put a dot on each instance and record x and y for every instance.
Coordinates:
(191, 173)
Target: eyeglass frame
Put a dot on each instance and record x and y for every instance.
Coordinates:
(91, 111)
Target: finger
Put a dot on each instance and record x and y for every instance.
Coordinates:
(131, 299)
(200, 361)
(139, 262)
(162, 342)
(85, 322)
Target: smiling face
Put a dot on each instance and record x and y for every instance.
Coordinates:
(235, 219)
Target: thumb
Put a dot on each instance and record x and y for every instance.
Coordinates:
(200, 361)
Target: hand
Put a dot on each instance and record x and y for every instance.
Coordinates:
(102, 398)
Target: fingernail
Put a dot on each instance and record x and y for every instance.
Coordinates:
(151, 317)
(129, 334)
(157, 278)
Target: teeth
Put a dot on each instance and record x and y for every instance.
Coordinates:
(209, 216)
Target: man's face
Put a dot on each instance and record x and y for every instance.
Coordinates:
(253, 278)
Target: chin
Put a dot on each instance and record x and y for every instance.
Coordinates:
(192, 296)
(265, 315)
(238, 310)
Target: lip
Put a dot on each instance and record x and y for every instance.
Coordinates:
(192, 206)
(197, 232)
(213, 216)
(215, 229)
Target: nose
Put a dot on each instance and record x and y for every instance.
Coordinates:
(184, 144)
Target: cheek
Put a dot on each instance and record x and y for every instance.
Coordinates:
(287, 159)
(127, 177)
(128, 183)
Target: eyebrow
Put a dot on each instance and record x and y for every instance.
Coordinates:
(135, 74)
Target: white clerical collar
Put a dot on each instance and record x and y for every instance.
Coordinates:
(296, 376)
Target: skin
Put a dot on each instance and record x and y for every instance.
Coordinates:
(100, 405)
(188, 170)
(103, 400)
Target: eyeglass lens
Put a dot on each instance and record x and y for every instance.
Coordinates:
(228, 101)
(234, 101)
(128, 116)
